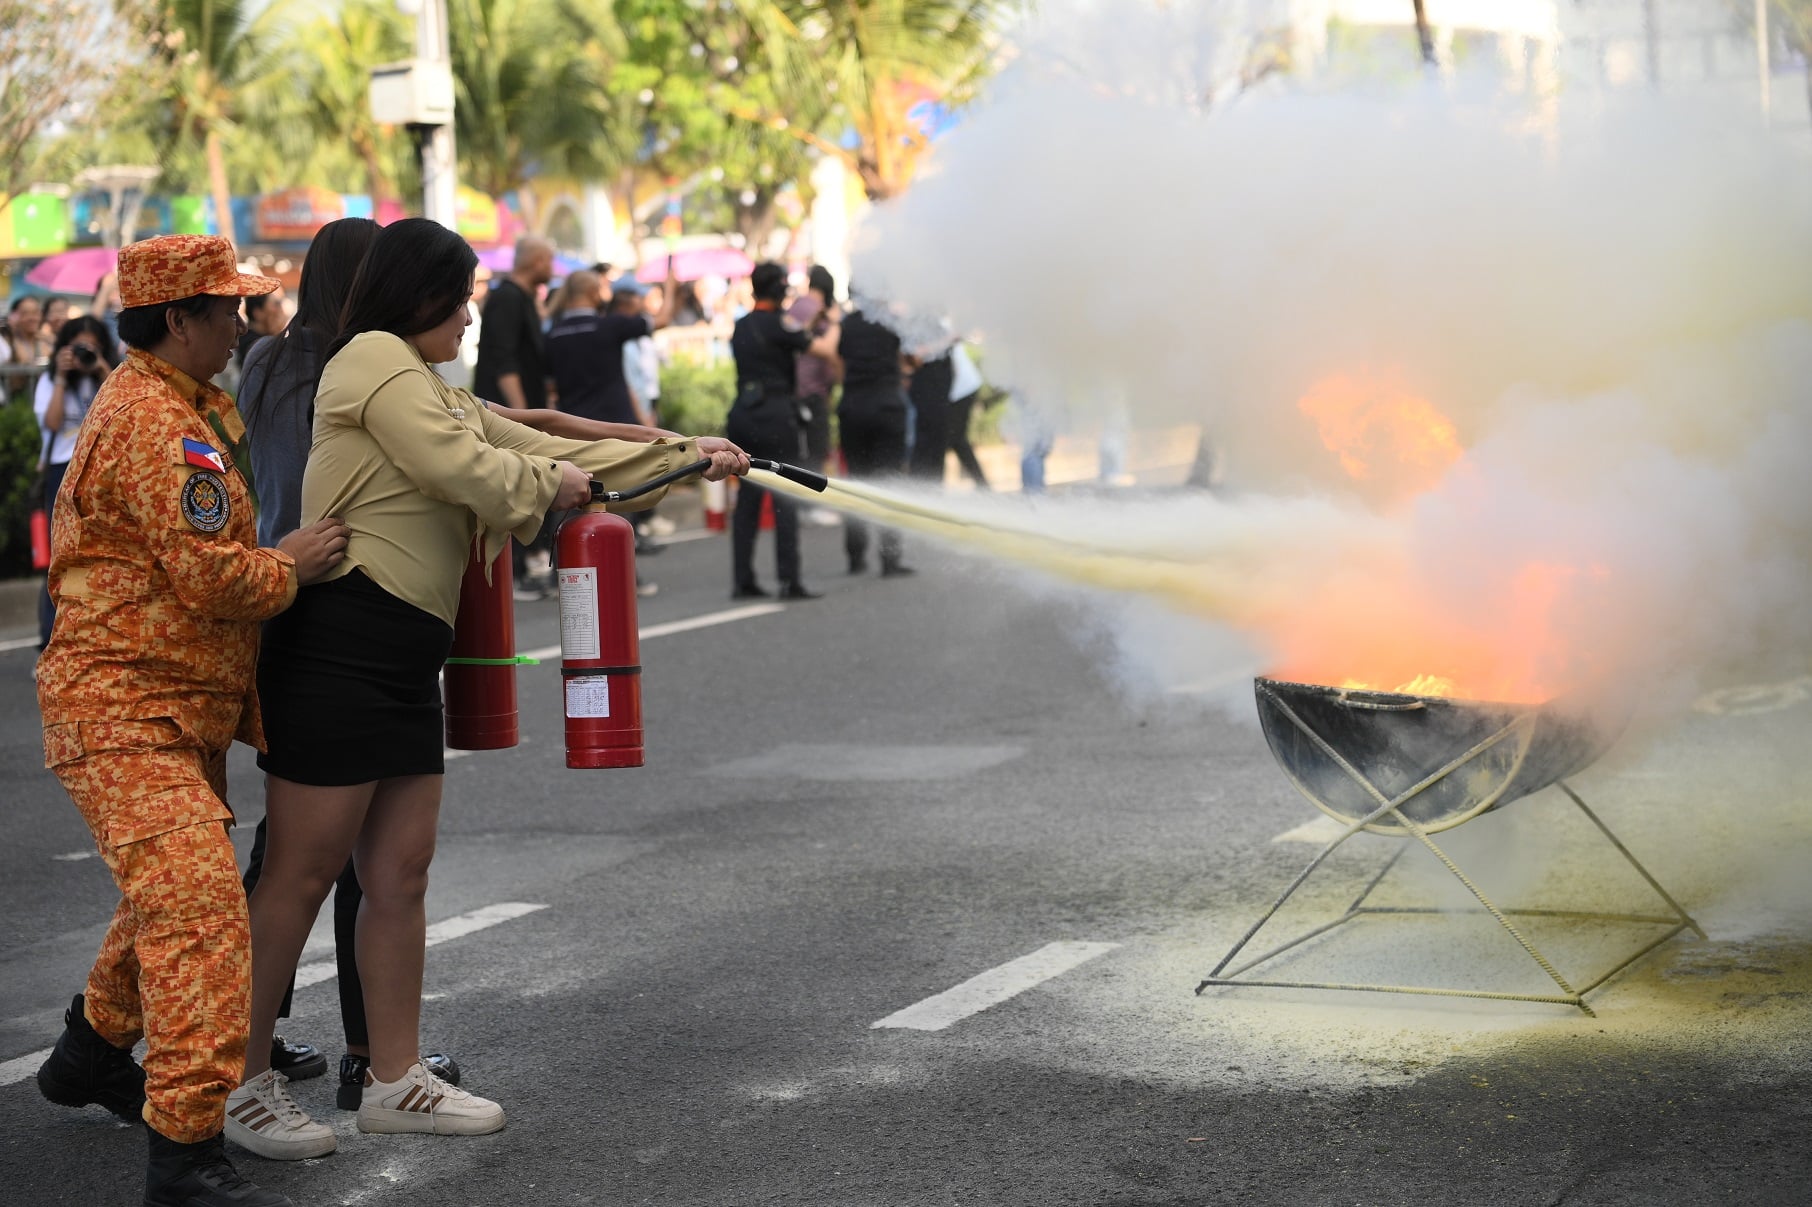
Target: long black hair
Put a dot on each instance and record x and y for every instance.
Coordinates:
(103, 339)
(415, 276)
(328, 270)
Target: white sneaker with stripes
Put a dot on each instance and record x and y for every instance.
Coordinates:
(422, 1102)
(262, 1118)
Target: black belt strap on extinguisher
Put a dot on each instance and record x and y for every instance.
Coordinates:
(804, 477)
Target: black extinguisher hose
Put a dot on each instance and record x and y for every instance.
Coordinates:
(805, 478)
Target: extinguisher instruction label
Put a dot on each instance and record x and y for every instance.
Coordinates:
(588, 696)
(579, 619)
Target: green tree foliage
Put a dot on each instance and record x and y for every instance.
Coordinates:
(732, 99)
(331, 139)
(859, 67)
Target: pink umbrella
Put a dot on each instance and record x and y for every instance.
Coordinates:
(76, 272)
(691, 265)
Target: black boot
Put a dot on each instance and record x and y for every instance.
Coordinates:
(352, 1076)
(84, 1068)
(199, 1175)
(296, 1061)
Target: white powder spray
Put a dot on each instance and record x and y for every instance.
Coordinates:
(1610, 308)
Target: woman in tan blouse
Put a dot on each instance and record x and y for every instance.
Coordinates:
(420, 472)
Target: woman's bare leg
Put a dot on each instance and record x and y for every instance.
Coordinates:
(311, 835)
(393, 852)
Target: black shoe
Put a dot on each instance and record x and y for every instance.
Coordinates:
(647, 546)
(751, 591)
(442, 1066)
(352, 1076)
(84, 1068)
(352, 1081)
(298, 1062)
(199, 1175)
(858, 565)
(897, 570)
(799, 591)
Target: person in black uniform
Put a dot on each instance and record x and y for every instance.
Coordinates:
(930, 395)
(765, 421)
(871, 423)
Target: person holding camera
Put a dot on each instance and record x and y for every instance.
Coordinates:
(80, 360)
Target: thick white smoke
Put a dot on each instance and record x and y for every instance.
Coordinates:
(1612, 308)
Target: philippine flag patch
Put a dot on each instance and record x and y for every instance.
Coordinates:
(203, 456)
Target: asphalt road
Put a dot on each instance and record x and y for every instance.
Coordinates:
(856, 804)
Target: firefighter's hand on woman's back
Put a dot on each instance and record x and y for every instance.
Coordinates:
(726, 459)
(317, 548)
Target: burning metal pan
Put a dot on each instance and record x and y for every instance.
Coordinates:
(1444, 761)
(1410, 766)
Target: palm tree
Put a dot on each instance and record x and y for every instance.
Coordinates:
(869, 64)
(217, 49)
(512, 114)
(337, 50)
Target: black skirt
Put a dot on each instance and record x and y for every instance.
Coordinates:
(349, 683)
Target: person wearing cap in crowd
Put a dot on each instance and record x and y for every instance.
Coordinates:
(765, 420)
(148, 679)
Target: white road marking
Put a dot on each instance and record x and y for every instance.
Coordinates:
(994, 986)
(1320, 832)
(21, 1067)
(1755, 698)
(18, 643)
(456, 927)
(73, 856)
(649, 632)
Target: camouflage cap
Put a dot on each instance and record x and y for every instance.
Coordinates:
(171, 267)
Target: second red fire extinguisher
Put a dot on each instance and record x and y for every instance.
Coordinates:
(600, 643)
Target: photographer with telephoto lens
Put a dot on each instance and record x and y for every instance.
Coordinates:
(80, 360)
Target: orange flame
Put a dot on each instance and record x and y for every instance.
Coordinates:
(1372, 627)
(1377, 429)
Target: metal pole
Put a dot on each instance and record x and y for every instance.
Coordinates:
(440, 164)
(1424, 34)
(1763, 68)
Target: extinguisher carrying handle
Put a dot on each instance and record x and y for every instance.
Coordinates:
(804, 477)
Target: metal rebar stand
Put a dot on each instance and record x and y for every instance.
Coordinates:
(1392, 807)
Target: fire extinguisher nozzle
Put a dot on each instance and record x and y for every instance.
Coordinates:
(793, 473)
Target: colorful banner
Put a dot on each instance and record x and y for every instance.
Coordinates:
(476, 216)
(294, 215)
(33, 224)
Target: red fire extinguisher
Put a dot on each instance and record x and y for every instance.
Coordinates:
(600, 650)
(40, 539)
(600, 646)
(480, 676)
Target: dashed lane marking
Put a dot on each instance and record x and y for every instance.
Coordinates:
(21, 1067)
(994, 986)
(457, 927)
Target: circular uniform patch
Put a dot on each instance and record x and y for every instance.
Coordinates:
(204, 501)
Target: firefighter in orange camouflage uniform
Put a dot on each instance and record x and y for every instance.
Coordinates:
(148, 679)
